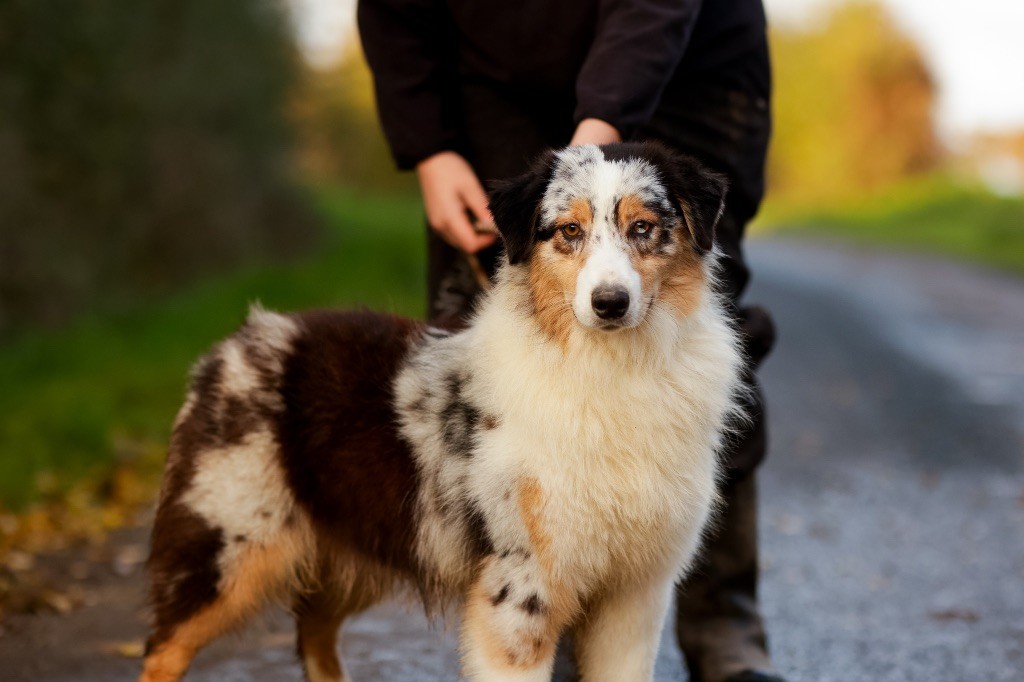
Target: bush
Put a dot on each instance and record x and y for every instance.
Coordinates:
(142, 142)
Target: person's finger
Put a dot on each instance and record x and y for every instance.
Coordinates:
(475, 197)
(464, 236)
(451, 222)
(444, 208)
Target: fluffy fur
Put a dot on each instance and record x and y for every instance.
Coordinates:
(549, 468)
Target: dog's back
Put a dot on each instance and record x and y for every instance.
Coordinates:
(280, 464)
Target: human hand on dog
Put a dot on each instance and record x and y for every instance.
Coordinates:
(451, 193)
(595, 131)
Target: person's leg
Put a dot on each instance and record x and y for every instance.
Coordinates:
(718, 625)
(723, 119)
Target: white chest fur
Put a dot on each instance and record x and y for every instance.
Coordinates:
(619, 432)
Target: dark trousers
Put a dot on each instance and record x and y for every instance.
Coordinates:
(719, 628)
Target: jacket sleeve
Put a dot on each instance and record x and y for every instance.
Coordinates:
(408, 45)
(637, 46)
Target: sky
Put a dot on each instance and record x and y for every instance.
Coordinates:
(975, 49)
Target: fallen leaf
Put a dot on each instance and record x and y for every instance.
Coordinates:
(129, 558)
(58, 601)
(128, 649)
(20, 561)
(965, 615)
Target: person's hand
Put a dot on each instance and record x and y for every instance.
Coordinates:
(450, 188)
(595, 131)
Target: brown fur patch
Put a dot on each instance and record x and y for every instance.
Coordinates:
(531, 503)
(554, 267)
(347, 584)
(580, 212)
(551, 277)
(678, 277)
(683, 284)
(356, 479)
(632, 208)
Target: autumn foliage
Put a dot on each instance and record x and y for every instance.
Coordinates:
(854, 107)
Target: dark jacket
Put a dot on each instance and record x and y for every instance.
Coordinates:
(439, 66)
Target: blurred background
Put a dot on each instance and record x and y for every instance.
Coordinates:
(164, 163)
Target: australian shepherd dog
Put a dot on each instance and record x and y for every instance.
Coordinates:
(548, 468)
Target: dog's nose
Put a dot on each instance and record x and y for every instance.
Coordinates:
(610, 303)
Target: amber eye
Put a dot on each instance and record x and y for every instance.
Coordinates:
(642, 228)
(572, 230)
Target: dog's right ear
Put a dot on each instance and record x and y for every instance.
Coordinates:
(515, 205)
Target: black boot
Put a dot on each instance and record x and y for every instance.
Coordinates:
(718, 625)
(717, 621)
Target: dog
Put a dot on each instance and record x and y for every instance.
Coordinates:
(548, 468)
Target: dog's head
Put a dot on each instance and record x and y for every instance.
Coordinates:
(606, 233)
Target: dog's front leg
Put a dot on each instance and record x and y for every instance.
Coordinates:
(511, 622)
(620, 636)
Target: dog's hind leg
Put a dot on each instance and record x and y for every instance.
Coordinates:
(345, 586)
(318, 618)
(254, 577)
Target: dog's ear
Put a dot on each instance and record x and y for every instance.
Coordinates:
(515, 205)
(700, 195)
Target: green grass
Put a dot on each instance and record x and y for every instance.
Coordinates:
(77, 402)
(932, 216)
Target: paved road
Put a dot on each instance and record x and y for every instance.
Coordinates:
(893, 503)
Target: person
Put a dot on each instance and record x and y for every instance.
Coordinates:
(476, 90)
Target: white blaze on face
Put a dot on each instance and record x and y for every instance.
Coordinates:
(584, 172)
(607, 266)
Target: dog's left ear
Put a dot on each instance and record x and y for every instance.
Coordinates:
(515, 205)
(700, 195)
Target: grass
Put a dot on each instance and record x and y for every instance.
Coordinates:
(933, 216)
(80, 402)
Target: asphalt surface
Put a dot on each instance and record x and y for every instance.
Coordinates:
(892, 502)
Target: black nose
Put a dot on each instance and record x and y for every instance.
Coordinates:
(610, 303)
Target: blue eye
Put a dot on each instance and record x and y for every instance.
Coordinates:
(641, 228)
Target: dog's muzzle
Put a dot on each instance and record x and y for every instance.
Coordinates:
(610, 303)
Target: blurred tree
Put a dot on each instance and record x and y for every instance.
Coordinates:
(854, 107)
(142, 142)
(340, 139)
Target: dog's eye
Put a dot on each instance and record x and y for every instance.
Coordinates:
(642, 228)
(572, 230)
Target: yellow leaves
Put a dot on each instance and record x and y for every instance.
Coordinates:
(83, 513)
(853, 109)
(128, 649)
